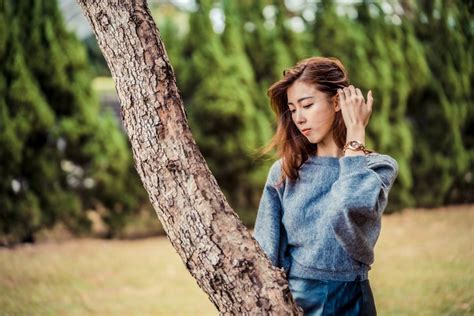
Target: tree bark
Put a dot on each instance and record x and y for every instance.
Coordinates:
(215, 246)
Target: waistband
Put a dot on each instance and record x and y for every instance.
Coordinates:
(301, 271)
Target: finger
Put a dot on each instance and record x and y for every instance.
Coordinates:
(342, 103)
(360, 95)
(354, 96)
(370, 100)
(342, 96)
(352, 90)
(347, 93)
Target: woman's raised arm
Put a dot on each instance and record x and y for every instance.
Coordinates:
(358, 198)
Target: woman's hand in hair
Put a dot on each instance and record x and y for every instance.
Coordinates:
(355, 111)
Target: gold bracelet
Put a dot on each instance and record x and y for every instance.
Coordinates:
(356, 146)
(366, 151)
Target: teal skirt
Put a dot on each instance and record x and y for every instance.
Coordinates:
(338, 298)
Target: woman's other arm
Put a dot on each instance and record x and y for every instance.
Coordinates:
(268, 230)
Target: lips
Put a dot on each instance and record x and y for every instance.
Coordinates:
(306, 131)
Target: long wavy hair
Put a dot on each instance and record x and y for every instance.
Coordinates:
(327, 74)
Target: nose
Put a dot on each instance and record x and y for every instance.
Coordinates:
(299, 117)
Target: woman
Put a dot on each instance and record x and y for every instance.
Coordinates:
(320, 212)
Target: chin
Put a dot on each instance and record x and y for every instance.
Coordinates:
(313, 140)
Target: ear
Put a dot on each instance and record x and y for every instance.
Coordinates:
(335, 103)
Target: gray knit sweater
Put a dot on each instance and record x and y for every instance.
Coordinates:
(325, 225)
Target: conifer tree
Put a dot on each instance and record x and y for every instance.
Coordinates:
(59, 154)
(393, 62)
(442, 111)
(225, 121)
(265, 45)
(257, 127)
(296, 43)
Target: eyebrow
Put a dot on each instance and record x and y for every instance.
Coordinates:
(301, 99)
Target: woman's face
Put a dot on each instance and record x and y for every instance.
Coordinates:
(311, 112)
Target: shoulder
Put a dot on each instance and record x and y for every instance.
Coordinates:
(274, 178)
(385, 165)
(275, 171)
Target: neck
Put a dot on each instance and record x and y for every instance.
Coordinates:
(334, 153)
(327, 147)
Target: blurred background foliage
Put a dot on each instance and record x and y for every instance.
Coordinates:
(65, 158)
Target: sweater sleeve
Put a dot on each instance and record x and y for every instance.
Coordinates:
(357, 201)
(269, 230)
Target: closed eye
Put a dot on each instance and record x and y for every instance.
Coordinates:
(306, 106)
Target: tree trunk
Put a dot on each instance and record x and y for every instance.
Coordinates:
(216, 247)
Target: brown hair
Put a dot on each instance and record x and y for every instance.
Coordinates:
(327, 74)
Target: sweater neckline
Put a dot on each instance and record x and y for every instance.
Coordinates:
(331, 161)
(323, 160)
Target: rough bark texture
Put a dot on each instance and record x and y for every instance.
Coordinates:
(215, 246)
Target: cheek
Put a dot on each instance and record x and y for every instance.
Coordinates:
(322, 117)
(293, 118)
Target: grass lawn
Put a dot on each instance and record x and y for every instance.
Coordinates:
(424, 265)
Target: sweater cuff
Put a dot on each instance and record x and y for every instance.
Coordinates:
(352, 164)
